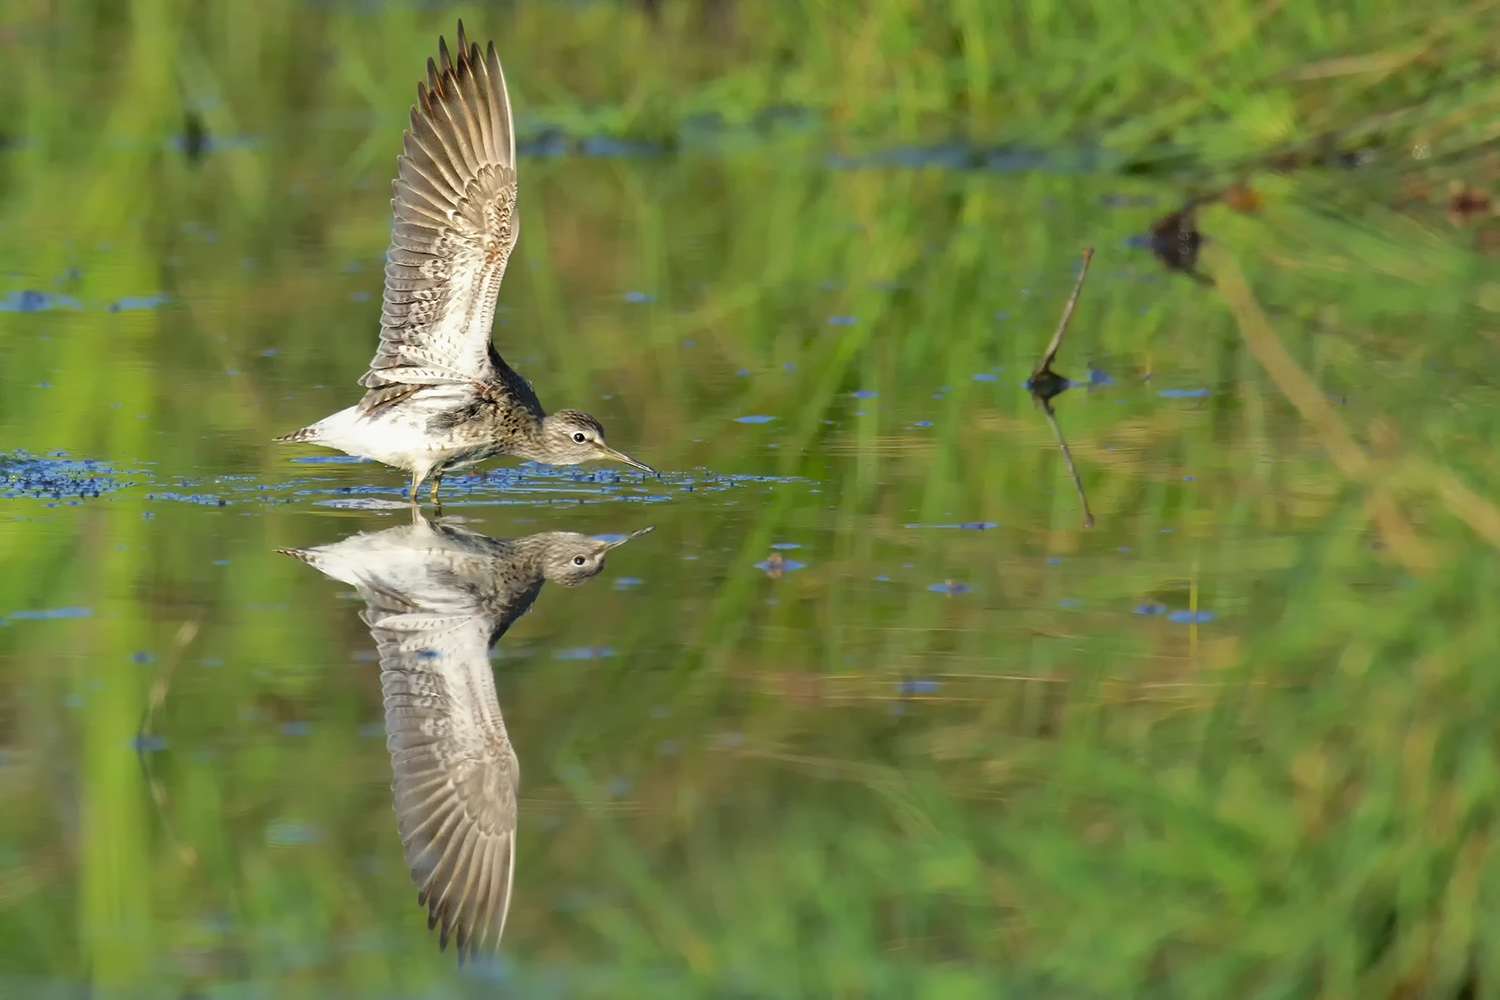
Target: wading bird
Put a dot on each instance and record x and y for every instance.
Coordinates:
(439, 395)
(437, 598)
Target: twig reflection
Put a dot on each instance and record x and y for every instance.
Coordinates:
(1046, 385)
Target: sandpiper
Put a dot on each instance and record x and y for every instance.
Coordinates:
(438, 597)
(439, 395)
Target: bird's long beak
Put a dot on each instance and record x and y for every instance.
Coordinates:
(614, 543)
(605, 451)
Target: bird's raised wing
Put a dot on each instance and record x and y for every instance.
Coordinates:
(455, 225)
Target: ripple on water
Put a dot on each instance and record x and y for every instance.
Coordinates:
(363, 503)
(25, 474)
(60, 478)
(777, 565)
(584, 653)
(291, 833)
(29, 301)
(132, 303)
(45, 614)
(202, 499)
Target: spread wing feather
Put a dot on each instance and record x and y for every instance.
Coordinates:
(455, 226)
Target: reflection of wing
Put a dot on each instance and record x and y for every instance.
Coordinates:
(455, 226)
(437, 598)
(455, 772)
(433, 614)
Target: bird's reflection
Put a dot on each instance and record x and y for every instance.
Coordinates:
(438, 597)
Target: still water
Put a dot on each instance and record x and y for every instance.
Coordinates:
(868, 712)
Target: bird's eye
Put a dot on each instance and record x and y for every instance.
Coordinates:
(578, 436)
(578, 560)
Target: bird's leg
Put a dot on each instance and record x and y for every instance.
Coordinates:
(416, 480)
(436, 482)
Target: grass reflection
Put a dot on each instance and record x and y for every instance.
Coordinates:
(829, 782)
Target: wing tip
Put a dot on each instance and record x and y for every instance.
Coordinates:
(472, 924)
(448, 68)
(466, 49)
(465, 65)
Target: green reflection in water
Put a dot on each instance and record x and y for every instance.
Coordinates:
(931, 759)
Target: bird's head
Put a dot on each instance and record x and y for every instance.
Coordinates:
(569, 437)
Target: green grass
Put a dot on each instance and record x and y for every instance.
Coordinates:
(1296, 800)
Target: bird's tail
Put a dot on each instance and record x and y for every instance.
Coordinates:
(305, 434)
(330, 432)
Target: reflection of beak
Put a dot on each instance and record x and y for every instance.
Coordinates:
(614, 543)
(605, 451)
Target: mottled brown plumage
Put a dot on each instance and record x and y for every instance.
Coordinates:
(437, 598)
(440, 396)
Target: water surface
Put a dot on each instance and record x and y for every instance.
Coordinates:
(870, 712)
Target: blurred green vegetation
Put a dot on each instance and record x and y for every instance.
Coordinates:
(1296, 799)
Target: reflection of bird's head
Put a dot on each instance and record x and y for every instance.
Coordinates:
(570, 559)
